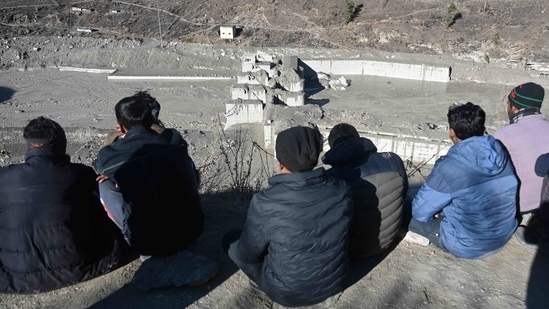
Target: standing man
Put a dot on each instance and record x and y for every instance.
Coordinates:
(379, 184)
(295, 239)
(148, 183)
(53, 230)
(526, 138)
(467, 205)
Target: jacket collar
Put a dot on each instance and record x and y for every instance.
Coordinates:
(300, 178)
(45, 151)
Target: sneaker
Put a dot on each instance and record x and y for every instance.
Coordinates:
(527, 237)
(416, 239)
(143, 258)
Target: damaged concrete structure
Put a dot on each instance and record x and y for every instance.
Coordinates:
(269, 85)
(266, 80)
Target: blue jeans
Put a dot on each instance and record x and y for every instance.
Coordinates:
(430, 229)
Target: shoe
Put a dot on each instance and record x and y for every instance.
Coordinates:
(527, 237)
(143, 258)
(416, 239)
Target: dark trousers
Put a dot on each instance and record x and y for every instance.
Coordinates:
(253, 271)
(430, 229)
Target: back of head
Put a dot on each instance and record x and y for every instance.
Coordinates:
(133, 112)
(467, 120)
(341, 132)
(155, 106)
(44, 132)
(298, 148)
(528, 95)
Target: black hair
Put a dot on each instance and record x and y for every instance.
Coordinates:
(155, 106)
(133, 112)
(340, 132)
(47, 131)
(467, 120)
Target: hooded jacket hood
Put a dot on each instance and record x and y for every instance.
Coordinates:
(349, 151)
(481, 153)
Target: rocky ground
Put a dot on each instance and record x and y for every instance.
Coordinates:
(490, 47)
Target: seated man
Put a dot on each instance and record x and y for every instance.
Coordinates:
(148, 183)
(157, 125)
(467, 205)
(379, 184)
(54, 231)
(526, 138)
(294, 242)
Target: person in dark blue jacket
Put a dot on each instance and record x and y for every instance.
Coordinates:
(53, 230)
(295, 239)
(468, 204)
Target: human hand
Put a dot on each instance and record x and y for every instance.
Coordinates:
(101, 178)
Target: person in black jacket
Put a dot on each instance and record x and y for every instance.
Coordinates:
(157, 124)
(148, 183)
(53, 230)
(295, 239)
(379, 184)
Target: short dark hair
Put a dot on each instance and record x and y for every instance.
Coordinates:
(47, 131)
(467, 120)
(339, 131)
(135, 111)
(155, 106)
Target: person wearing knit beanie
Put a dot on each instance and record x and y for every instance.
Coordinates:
(526, 138)
(528, 95)
(297, 149)
(293, 246)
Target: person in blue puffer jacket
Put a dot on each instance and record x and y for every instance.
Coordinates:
(468, 204)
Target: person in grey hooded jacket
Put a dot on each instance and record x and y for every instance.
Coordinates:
(468, 203)
(295, 239)
(379, 184)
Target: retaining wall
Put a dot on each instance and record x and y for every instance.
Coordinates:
(383, 69)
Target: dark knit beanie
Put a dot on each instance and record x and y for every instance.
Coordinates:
(298, 148)
(527, 96)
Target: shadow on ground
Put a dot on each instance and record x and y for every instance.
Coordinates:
(537, 295)
(6, 94)
(224, 212)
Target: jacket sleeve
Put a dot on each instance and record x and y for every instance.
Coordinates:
(97, 166)
(542, 165)
(431, 198)
(252, 245)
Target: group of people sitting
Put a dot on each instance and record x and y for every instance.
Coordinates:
(64, 223)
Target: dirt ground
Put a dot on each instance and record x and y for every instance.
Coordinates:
(37, 40)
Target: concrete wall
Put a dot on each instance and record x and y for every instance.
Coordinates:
(294, 99)
(378, 68)
(413, 149)
(408, 148)
(249, 92)
(250, 79)
(240, 111)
